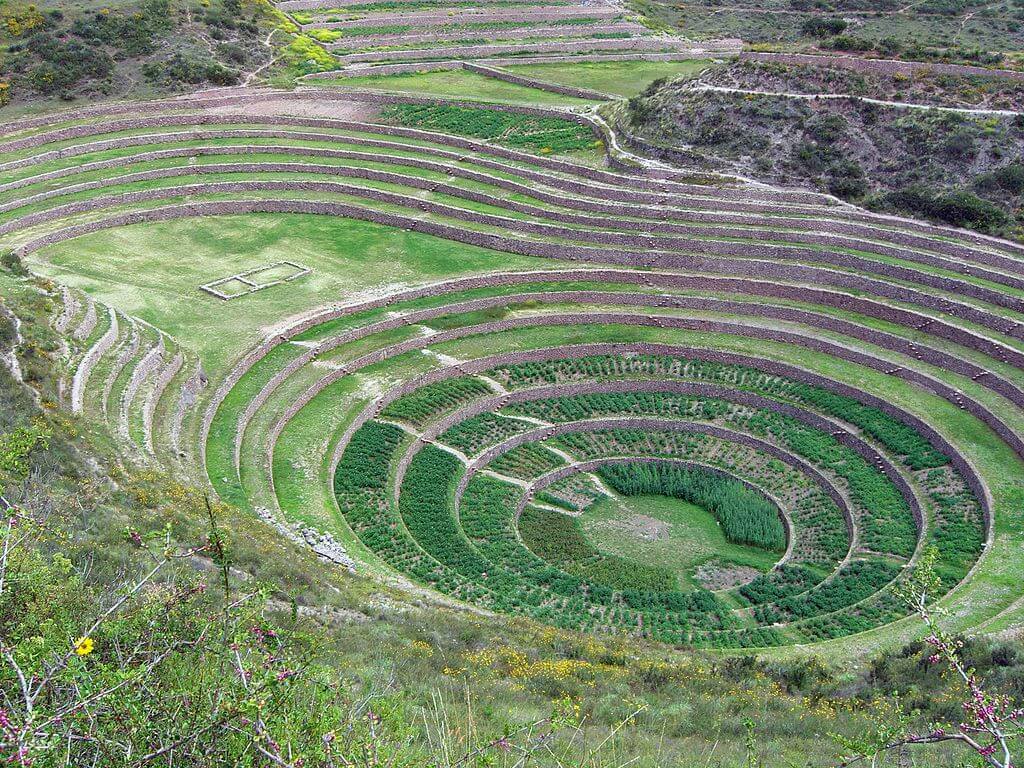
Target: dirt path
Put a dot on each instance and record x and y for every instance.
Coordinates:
(865, 99)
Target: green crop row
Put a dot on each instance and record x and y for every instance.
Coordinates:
(473, 435)
(540, 134)
(560, 540)
(427, 403)
(527, 461)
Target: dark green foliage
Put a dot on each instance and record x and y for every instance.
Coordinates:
(1009, 178)
(66, 63)
(134, 34)
(823, 26)
(890, 47)
(473, 435)
(184, 68)
(527, 461)
(560, 540)
(746, 516)
(857, 581)
(784, 581)
(87, 51)
(928, 164)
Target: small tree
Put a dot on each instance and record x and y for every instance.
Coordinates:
(991, 726)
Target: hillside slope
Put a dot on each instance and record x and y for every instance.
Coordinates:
(881, 148)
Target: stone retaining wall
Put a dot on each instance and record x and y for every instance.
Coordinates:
(548, 163)
(88, 324)
(959, 463)
(529, 82)
(88, 362)
(691, 254)
(580, 184)
(417, 36)
(824, 240)
(885, 340)
(363, 70)
(312, 5)
(188, 397)
(629, 44)
(697, 389)
(422, 19)
(69, 308)
(128, 349)
(148, 365)
(749, 267)
(850, 215)
(163, 380)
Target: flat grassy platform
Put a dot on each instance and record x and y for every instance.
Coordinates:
(618, 78)
(667, 532)
(154, 271)
(459, 84)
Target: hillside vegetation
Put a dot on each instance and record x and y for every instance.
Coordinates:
(64, 51)
(955, 167)
(939, 30)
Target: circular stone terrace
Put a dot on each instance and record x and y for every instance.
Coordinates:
(843, 389)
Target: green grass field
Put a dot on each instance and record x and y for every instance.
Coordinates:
(466, 496)
(154, 271)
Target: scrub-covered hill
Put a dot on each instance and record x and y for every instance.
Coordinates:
(795, 126)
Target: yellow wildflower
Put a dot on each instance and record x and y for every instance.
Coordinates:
(84, 646)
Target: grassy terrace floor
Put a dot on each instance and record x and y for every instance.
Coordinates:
(154, 271)
(629, 526)
(294, 486)
(458, 84)
(619, 78)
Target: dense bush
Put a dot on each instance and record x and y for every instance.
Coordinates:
(560, 540)
(823, 26)
(183, 68)
(66, 63)
(93, 50)
(473, 435)
(133, 34)
(925, 163)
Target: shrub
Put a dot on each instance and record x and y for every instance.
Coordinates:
(818, 26)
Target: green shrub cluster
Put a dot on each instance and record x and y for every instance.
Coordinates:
(858, 580)
(960, 208)
(886, 522)
(527, 461)
(559, 539)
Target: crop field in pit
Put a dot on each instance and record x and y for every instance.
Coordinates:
(524, 369)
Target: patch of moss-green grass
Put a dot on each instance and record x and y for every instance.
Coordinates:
(618, 78)
(668, 532)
